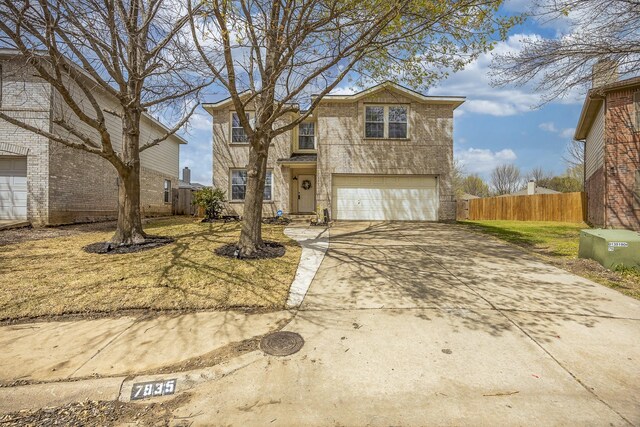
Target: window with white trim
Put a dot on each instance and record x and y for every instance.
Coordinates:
(306, 136)
(374, 122)
(238, 134)
(167, 191)
(239, 185)
(386, 121)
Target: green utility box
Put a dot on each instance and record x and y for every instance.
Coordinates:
(611, 248)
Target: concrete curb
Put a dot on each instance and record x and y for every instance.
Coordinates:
(36, 396)
(314, 242)
(190, 379)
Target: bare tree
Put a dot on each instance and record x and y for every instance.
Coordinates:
(574, 158)
(457, 178)
(272, 55)
(135, 52)
(506, 179)
(597, 30)
(574, 154)
(539, 175)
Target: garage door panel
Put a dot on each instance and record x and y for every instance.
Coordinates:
(399, 198)
(13, 188)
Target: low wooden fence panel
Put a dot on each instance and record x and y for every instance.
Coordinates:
(562, 207)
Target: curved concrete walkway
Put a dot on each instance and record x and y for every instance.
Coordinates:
(314, 242)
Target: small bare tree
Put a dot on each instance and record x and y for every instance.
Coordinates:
(574, 154)
(539, 175)
(132, 51)
(597, 30)
(458, 178)
(272, 55)
(506, 179)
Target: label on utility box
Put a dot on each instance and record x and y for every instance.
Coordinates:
(613, 245)
(619, 244)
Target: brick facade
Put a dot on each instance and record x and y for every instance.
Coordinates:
(342, 149)
(67, 185)
(621, 161)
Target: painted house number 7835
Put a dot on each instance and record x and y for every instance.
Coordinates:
(153, 389)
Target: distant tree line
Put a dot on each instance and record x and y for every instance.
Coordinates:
(508, 178)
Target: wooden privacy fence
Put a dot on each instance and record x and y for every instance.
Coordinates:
(563, 207)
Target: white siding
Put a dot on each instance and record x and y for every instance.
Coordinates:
(594, 145)
(163, 158)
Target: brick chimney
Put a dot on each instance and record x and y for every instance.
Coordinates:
(186, 175)
(605, 71)
(531, 187)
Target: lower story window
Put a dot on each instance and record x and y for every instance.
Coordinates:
(167, 191)
(239, 185)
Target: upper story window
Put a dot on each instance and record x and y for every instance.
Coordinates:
(239, 185)
(386, 122)
(374, 122)
(306, 136)
(238, 134)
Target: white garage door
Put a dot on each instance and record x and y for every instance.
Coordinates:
(13, 188)
(392, 198)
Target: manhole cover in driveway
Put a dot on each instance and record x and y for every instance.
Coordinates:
(281, 343)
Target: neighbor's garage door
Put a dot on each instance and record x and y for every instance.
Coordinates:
(13, 188)
(399, 198)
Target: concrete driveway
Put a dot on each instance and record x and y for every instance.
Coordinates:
(428, 324)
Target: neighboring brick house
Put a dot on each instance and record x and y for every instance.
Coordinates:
(610, 126)
(45, 182)
(385, 153)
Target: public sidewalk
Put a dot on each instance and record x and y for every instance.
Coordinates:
(52, 363)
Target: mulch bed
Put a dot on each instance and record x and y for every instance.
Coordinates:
(269, 250)
(110, 248)
(276, 220)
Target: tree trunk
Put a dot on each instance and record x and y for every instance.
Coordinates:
(251, 234)
(129, 229)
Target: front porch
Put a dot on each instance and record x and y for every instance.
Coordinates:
(300, 172)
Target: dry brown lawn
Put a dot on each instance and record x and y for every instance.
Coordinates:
(54, 276)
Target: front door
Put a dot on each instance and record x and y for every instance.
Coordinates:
(306, 193)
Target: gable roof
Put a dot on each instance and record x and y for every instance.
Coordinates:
(210, 106)
(15, 53)
(593, 101)
(456, 101)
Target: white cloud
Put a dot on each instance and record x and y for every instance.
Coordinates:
(345, 90)
(548, 126)
(551, 127)
(474, 83)
(201, 121)
(483, 161)
(568, 132)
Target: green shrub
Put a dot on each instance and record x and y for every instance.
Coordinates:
(211, 200)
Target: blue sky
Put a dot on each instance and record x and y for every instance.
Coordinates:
(494, 126)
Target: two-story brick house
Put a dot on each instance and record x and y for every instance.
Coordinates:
(44, 182)
(385, 153)
(610, 127)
